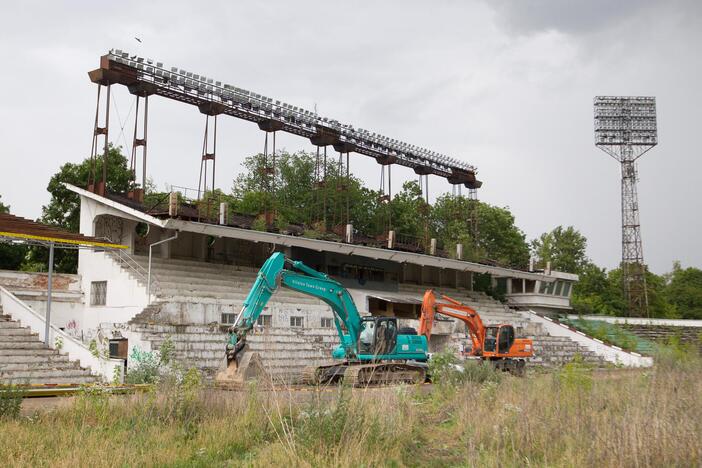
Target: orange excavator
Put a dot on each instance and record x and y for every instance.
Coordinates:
(494, 343)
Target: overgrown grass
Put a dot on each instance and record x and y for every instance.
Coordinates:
(574, 417)
(613, 334)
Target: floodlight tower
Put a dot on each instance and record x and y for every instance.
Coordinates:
(625, 128)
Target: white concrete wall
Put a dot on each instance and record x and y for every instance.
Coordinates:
(65, 314)
(125, 296)
(538, 300)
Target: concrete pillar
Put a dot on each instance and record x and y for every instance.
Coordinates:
(432, 247)
(223, 213)
(349, 234)
(166, 246)
(173, 204)
(459, 251)
(200, 246)
(391, 239)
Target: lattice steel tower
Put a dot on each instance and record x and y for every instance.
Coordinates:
(625, 128)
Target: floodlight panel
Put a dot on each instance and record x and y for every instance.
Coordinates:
(621, 120)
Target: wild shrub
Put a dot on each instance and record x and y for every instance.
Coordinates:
(478, 371)
(10, 401)
(147, 367)
(576, 376)
(92, 404)
(674, 354)
(446, 369)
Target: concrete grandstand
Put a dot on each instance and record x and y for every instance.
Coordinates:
(199, 274)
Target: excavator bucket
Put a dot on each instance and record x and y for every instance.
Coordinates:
(247, 367)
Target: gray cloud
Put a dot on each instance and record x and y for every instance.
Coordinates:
(569, 16)
(507, 86)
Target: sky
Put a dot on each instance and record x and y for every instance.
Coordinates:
(505, 85)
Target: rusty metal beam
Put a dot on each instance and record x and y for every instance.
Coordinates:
(118, 67)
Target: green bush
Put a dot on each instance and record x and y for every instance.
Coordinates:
(147, 367)
(10, 401)
(476, 371)
(446, 369)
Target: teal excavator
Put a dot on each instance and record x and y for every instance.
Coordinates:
(371, 349)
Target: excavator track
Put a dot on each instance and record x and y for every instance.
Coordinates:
(309, 376)
(364, 375)
(383, 374)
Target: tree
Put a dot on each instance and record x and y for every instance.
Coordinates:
(499, 240)
(564, 247)
(599, 292)
(63, 209)
(684, 291)
(410, 213)
(11, 255)
(297, 199)
(451, 225)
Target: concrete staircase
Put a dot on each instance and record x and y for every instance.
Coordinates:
(554, 351)
(26, 359)
(285, 352)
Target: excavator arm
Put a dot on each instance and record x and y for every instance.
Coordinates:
(299, 277)
(453, 308)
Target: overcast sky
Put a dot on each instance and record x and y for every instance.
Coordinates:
(506, 85)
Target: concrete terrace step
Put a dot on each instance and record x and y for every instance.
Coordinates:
(15, 331)
(38, 366)
(21, 345)
(201, 272)
(25, 359)
(254, 341)
(155, 260)
(194, 269)
(189, 293)
(34, 351)
(10, 339)
(6, 324)
(62, 377)
(32, 358)
(45, 373)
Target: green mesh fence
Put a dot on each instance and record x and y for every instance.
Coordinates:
(612, 334)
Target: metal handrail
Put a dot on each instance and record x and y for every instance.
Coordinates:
(128, 262)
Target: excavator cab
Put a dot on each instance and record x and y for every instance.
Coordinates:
(499, 339)
(378, 335)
